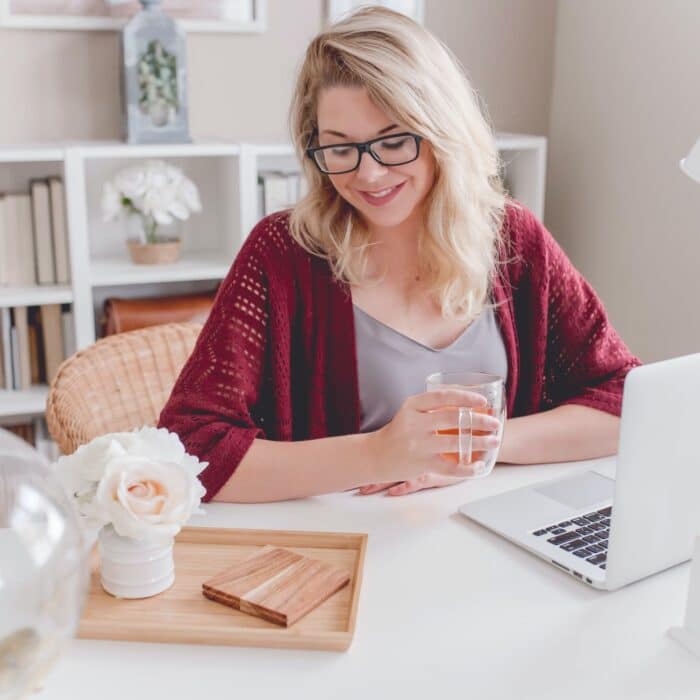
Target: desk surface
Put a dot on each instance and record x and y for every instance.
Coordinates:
(492, 621)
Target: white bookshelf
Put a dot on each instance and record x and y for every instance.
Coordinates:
(118, 271)
(226, 174)
(17, 405)
(35, 295)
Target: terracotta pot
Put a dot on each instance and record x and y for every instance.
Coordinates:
(161, 253)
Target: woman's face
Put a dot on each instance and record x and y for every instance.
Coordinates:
(386, 196)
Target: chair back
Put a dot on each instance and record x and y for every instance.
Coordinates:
(118, 384)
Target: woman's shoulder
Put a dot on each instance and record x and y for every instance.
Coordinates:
(521, 228)
(525, 241)
(271, 249)
(270, 239)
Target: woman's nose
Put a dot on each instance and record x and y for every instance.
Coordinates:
(369, 169)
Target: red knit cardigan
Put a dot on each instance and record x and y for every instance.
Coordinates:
(276, 358)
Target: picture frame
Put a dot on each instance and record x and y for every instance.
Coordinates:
(212, 16)
(415, 9)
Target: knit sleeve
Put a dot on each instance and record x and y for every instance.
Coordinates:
(212, 406)
(586, 361)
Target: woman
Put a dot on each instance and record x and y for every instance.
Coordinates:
(404, 236)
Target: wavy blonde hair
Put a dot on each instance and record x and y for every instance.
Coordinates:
(417, 81)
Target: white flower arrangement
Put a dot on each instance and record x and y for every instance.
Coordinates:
(157, 192)
(143, 483)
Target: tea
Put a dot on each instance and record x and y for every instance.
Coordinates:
(476, 455)
(491, 387)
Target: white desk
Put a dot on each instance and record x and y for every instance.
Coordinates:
(447, 609)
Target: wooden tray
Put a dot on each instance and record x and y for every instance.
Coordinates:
(183, 615)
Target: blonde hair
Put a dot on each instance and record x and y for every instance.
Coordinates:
(415, 79)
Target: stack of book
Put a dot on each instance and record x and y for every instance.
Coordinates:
(34, 340)
(278, 190)
(33, 240)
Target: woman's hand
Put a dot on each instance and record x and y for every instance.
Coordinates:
(410, 453)
(403, 488)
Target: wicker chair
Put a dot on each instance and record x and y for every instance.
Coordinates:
(120, 383)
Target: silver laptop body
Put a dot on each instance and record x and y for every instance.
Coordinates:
(655, 496)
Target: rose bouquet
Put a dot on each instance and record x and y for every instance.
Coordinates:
(139, 488)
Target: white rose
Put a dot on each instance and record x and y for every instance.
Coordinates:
(83, 471)
(144, 498)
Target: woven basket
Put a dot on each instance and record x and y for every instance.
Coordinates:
(120, 383)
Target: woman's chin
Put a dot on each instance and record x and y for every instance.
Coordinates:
(384, 219)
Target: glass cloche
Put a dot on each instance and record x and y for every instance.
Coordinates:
(43, 568)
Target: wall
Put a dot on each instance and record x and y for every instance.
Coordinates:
(65, 85)
(625, 109)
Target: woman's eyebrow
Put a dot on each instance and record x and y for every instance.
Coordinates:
(345, 136)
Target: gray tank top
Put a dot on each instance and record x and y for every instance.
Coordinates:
(391, 366)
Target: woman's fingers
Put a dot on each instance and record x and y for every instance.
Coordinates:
(430, 400)
(448, 418)
(450, 443)
(369, 489)
(424, 481)
(446, 466)
(429, 480)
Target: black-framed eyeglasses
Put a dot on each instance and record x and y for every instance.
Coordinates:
(339, 158)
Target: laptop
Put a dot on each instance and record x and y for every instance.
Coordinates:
(608, 532)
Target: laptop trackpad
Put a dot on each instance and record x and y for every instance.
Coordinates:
(581, 491)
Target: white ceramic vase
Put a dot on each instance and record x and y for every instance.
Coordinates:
(131, 568)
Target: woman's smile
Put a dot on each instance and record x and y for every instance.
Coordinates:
(378, 198)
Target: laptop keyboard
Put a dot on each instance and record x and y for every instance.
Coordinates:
(585, 536)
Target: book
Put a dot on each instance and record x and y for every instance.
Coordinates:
(6, 332)
(11, 252)
(59, 229)
(69, 348)
(24, 377)
(15, 358)
(52, 336)
(36, 349)
(280, 190)
(23, 270)
(43, 236)
(2, 361)
(4, 253)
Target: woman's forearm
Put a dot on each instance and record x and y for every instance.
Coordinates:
(564, 434)
(277, 471)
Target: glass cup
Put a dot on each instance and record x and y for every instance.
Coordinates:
(492, 388)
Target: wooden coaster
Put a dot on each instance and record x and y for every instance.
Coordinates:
(276, 584)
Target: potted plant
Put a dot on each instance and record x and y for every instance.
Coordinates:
(138, 488)
(146, 197)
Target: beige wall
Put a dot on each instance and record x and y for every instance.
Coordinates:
(65, 85)
(613, 83)
(625, 109)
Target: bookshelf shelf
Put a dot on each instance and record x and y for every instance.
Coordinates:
(110, 150)
(35, 295)
(26, 153)
(112, 272)
(23, 404)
